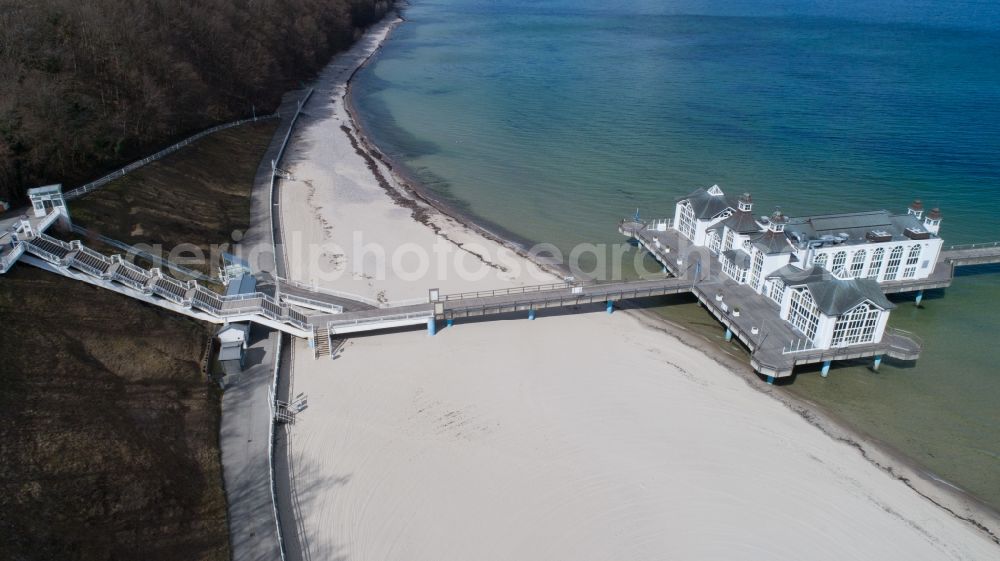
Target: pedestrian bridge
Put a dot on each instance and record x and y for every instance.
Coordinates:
(320, 315)
(307, 312)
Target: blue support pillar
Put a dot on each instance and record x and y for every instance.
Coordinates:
(878, 362)
(729, 334)
(431, 325)
(665, 269)
(531, 313)
(611, 306)
(697, 270)
(312, 342)
(920, 296)
(770, 380)
(451, 322)
(826, 368)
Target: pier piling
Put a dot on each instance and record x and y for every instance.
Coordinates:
(431, 326)
(826, 368)
(531, 313)
(919, 298)
(611, 306)
(729, 334)
(877, 363)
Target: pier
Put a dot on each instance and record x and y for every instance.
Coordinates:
(321, 316)
(775, 346)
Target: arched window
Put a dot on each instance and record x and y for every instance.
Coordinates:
(758, 264)
(839, 259)
(911, 262)
(714, 241)
(803, 313)
(858, 263)
(686, 226)
(777, 290)
(892, 267)
(748, 246)
(856, 326)
(876, 267)
(820, 260)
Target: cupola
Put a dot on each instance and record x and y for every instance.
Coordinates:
(933, 221)
(916, 208)
(777, 221)
(745, 203)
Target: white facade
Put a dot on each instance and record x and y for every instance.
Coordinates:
(234, 333)
(863, 323)
(693, 223)
(826, 253)
(882, 262)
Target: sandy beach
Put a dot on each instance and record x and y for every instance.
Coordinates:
(351, 225)
(575, 436)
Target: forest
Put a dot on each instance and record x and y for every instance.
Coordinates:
(89, 85)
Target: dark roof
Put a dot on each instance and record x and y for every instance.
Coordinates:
(855, 225)
(742, 222)
(738, 256)
(246, 284)
(773, 242)
(708, 206)
(833, 295)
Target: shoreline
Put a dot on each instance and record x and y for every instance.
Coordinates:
(943, 494)
(415, 189)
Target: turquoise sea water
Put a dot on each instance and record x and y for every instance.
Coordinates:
(552, 119)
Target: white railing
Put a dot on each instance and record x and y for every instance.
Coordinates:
(98, 183)
(270, 196)
(171, 289)
(7, 261)
(660, 224)
(314, 304)
(983, 245)
(46, 255)
(798, 346)
(273, 404)
(47, 221)
(506, 291)
(339, 294)
(333, 325)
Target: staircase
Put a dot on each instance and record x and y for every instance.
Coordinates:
(321, 347)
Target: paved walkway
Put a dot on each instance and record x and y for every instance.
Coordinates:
(243, 438)
(246, 422)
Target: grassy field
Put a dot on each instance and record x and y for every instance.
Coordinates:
(198, 195)
(108, 429)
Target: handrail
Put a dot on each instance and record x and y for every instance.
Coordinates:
(273, 404)
(332, 324)
(799, 345)
(904, 333)
(274, 166)
(339, 294)
(506, 291)
(971, 246)
(302, 300)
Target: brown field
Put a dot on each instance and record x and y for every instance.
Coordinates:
(108, 429)
(199, 195)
